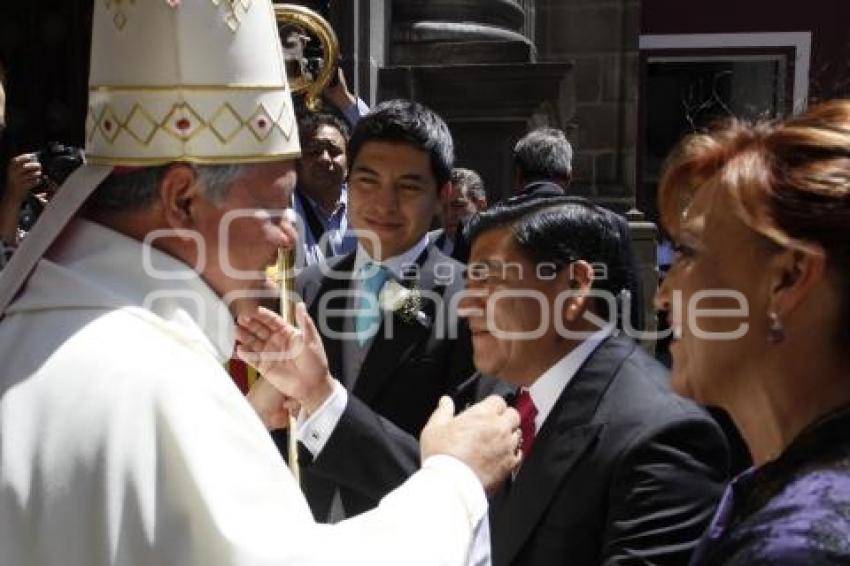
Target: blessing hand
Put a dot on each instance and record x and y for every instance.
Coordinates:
(293, 360)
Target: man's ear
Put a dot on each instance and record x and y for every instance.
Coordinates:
(578, 277)
(179, 190)
(795, 275)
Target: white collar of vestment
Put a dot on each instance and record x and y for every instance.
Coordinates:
(92, 266)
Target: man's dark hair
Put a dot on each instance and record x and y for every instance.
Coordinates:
(559, 231)
(310, 122)
(544, 154)
(408, 122)
(469, 181)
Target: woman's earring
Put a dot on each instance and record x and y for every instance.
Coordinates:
(776, 332)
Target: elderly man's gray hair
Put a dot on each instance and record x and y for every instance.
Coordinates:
(137, 189)
(544, 154)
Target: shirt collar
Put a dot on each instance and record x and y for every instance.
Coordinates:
(396, 264)
(548, 387)
(340, 207)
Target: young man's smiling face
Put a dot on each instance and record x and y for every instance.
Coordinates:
(393, 195)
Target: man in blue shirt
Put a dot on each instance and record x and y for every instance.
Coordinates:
(321, 197)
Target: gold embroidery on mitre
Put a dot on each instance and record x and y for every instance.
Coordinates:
(120, 18)
(226, 123)
(235, 10)
(141, 125)
(184, 122)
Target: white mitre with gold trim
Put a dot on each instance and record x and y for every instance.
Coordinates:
(198, 81)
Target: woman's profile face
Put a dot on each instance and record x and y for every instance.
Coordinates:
(716, 298)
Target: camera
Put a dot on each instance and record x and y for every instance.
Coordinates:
(57, 162)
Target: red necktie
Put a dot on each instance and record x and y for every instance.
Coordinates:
(527, 411)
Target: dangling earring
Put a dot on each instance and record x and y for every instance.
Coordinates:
(776, 332)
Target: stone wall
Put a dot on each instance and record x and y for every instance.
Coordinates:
(601, 38)
(474, 62)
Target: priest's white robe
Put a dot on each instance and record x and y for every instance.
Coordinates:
(123, 441)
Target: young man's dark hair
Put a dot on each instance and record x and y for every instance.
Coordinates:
(558, 231)
(405, 121)
(309, 123)
(544, 154)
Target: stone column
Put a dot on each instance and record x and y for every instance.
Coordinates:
(473, 62)
(458, 31)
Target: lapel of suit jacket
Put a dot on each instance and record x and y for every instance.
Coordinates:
(388, 352)
(567, 433)
(338, 282)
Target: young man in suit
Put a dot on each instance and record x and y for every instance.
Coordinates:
(616, 467)
(384, 311)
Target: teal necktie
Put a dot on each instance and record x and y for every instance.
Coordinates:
(368, 317)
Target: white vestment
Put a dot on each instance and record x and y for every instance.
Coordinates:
(123, 441)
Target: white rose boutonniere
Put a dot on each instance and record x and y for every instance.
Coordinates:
(407, 303)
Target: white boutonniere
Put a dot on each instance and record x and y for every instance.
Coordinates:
(407, 303)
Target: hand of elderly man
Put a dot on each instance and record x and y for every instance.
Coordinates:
(485, 437)
(292, 359)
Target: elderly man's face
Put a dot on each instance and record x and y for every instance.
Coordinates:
(244, 231)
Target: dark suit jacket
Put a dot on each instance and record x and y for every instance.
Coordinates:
(401, 380)
(623, 471)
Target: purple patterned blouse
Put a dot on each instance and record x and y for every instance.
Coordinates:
(792, 511)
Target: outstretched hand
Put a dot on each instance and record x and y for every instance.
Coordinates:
(292, 359)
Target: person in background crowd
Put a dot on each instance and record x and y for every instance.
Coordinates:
(21, 174)
(543, 162)
(759, 301)
(462, 198)
(26, 185)
(321, 195)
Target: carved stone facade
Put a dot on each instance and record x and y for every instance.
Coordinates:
(452, 32)
(600, 37)
(474, 62)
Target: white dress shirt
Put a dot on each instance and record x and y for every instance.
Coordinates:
(548, 387)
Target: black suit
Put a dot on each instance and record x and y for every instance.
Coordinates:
(622, 471)
(401, 379)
